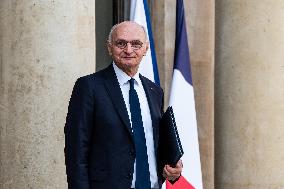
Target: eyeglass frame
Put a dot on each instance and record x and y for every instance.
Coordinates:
(126, 42)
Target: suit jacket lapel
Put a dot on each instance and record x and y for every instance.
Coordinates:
(115, 94)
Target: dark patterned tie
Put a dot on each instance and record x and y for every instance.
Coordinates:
(142, 166)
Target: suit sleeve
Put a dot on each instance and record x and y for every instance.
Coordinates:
(78, 129)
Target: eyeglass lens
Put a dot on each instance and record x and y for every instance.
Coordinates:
(135, 44)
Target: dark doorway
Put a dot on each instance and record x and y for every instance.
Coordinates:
(108, 13)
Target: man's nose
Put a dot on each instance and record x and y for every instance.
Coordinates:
(128, 48)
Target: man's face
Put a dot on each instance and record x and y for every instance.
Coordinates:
(128, 46)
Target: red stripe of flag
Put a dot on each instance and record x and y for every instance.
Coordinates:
(180, 184)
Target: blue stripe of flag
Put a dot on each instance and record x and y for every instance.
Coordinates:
(152, 46)
(181, 57)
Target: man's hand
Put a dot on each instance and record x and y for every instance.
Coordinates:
(172, 173)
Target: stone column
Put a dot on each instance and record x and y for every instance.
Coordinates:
(200, 19)
(44, 47)
(249, 94)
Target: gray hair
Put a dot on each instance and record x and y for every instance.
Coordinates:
(116, 25)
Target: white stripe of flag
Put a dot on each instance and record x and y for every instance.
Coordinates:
(140, 14)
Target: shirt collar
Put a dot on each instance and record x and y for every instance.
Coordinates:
(123, 78)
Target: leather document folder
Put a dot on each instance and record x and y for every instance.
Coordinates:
(169, 147)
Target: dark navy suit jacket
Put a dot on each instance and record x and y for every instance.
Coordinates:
(99, 146)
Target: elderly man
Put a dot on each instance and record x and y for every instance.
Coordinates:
(112, 125)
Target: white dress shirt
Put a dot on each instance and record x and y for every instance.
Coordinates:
(123, 80)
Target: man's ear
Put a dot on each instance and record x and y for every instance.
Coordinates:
(146, 48)
(108, 44)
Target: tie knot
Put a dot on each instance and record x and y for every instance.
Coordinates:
(131, 82)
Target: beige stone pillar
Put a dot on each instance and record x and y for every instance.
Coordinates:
(200, 19)
(249, 94)
(44, 47)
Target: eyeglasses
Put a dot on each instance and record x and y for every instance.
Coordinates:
(135, 44)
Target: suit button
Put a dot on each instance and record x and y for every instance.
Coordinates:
(129, 176)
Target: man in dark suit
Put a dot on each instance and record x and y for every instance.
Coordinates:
(112, 125)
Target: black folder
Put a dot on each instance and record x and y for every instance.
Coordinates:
(169, 147)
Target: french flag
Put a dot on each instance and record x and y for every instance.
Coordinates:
(139, 13)
(182, 100)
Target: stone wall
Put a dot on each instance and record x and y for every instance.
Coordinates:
(249, 96)
(44, 47)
